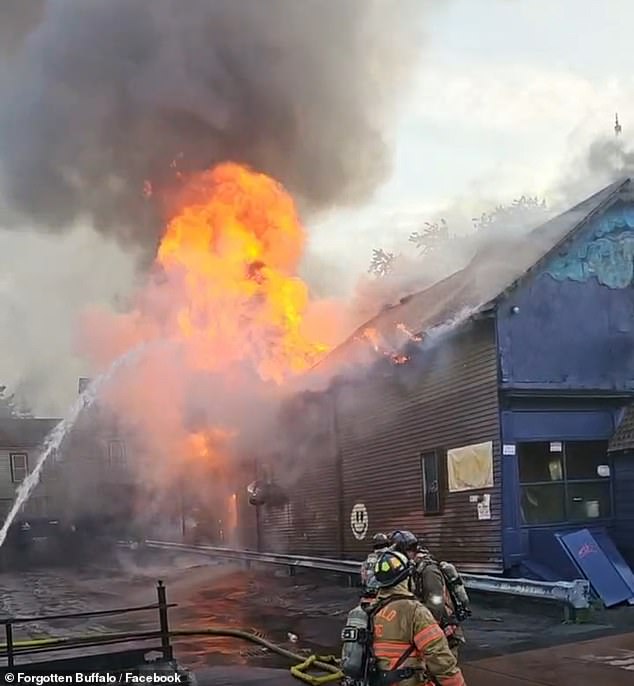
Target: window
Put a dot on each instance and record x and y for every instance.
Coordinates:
(430, 471)
(19, 467)
(564, 481)
(116, 453)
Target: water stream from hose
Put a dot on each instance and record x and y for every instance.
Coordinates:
(55, 438)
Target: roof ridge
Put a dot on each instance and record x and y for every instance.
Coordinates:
(483, 258)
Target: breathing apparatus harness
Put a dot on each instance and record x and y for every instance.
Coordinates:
(359, 663)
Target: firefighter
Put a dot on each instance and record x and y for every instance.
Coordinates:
(380, 542)
(407, 640)
(429, 585)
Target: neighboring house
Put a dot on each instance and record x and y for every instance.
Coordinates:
(86, 480)
(96, 488)
(490, 435)
(20, 443)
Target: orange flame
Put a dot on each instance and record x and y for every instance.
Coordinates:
(208, 445)
(227, 294)
(416, 338)
(372, 336)
(233, 249)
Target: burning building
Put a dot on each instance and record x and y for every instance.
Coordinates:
(484, 424)
(202, 113)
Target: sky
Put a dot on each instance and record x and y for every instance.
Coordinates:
(507, 93)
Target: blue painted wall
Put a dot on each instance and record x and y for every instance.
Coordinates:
(575, 325)
(544, 419)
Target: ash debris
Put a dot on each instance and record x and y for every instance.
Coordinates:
(106, 102)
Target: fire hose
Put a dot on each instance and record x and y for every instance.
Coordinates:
(327, 664)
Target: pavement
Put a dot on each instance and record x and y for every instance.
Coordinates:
(508, 643)
(607, 661)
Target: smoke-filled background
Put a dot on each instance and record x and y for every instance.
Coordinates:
(109, 110)
(104, 96)
(105, 105)
(376, 116)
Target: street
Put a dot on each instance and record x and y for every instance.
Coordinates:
(305, 614)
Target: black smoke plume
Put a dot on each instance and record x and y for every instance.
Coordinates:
(102, 96)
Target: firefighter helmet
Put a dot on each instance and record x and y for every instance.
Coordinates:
(391, 568)
(380, 541)
(403, 541)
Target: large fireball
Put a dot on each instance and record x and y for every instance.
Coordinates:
(227, 291)
(233, 250)
(225, 321)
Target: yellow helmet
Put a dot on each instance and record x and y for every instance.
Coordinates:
(391, 568)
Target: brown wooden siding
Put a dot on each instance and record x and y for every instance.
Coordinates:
(307, 470)
(386, 423)
(623, 439)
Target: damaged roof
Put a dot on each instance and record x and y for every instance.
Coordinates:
(496, 267)
(623, 439)
(28, 432)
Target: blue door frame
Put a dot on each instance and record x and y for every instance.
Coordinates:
(540, 420)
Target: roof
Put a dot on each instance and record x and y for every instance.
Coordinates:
(18, 432)
(495, 268)
(623, 439)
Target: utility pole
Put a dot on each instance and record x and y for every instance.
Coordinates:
(617, 126)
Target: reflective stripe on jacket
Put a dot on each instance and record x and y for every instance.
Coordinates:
(407, 622)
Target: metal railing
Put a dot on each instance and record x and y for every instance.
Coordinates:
(13, 648)
(574, 594)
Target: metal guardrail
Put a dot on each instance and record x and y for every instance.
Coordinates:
(575, 594)
(13, 648)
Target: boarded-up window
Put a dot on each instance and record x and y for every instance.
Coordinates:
(470, 467)
(19, 467)
(430, 471)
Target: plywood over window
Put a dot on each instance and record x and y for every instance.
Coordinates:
(470, 467)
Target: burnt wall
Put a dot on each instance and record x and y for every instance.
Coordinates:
(306, 469)
(447, 399)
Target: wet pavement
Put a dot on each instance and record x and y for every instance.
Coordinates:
(308, 606)
(608, 660)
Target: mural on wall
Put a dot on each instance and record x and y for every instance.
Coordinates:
(607, 256)
(359, 521)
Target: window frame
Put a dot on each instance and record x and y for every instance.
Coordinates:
(118, 460)
(12, 456)
(566, 482)
(437, 455)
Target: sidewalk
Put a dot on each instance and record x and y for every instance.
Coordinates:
(608, 660)
(605, 661)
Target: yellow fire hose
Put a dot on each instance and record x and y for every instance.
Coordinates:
(327, 664)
